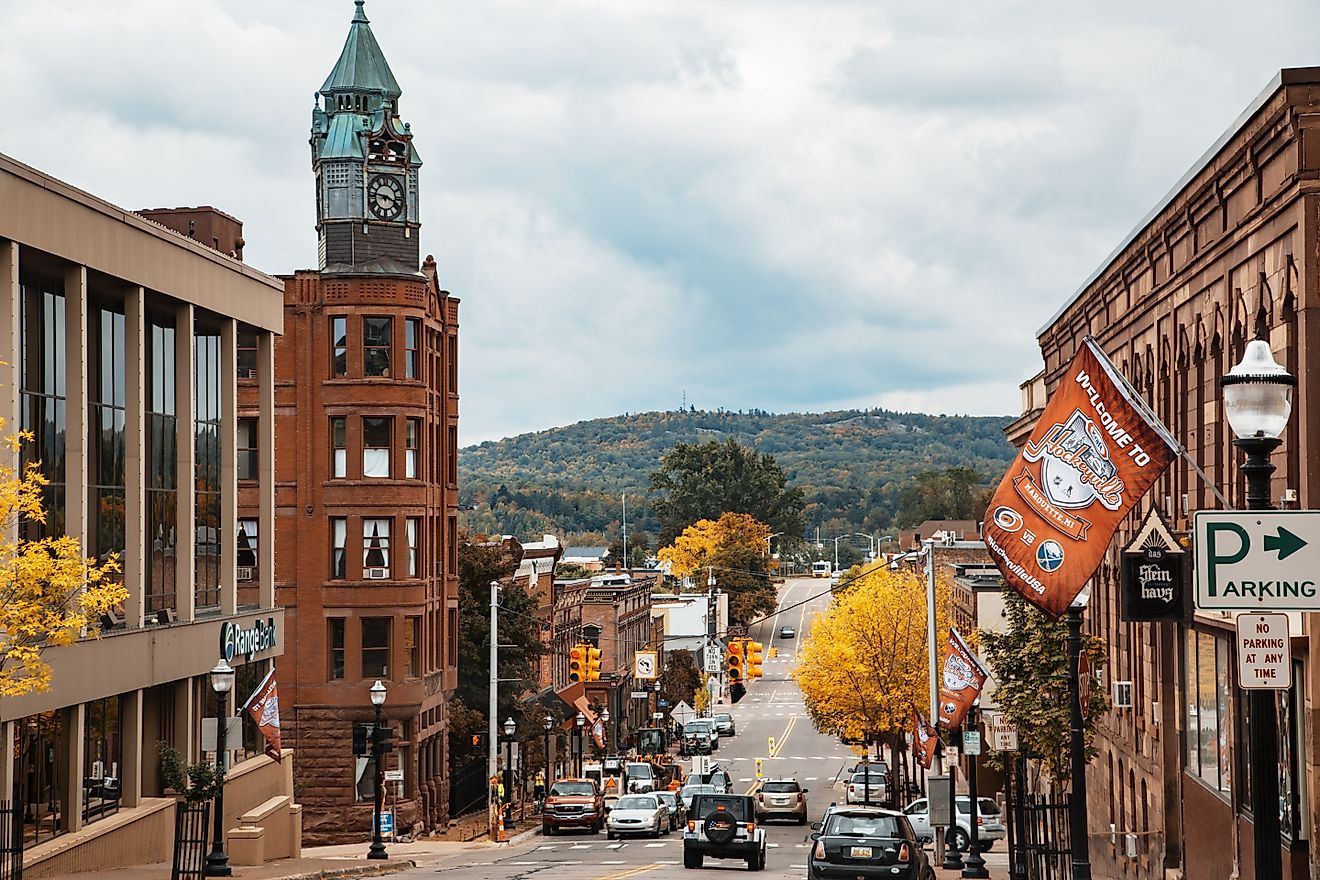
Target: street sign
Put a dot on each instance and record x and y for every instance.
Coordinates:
(712, 658)
(758, 768)
(387, 824)
(772, 746)
(639, 695)
(646, 665)
(972, 742)
(1153, 574)
(394, 775)
(1257, 560)
(1002, 735)
(1264, 661)
(682, 713)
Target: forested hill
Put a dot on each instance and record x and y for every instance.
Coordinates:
(852, 465)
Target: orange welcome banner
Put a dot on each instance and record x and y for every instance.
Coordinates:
(1095, 451)
(924, 740)
(263, 707)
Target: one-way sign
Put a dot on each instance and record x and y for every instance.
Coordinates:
(1248, 560)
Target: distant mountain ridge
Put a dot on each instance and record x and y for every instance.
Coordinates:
(851, 464)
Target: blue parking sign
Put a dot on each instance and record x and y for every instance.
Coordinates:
(387, 824)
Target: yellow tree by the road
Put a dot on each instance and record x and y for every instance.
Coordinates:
(49, 594)
(735, 548)
(864, 665)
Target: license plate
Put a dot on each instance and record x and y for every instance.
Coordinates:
(860, 852)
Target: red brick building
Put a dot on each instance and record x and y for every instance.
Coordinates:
(365, 503)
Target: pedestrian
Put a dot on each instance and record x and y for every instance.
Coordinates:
(539, 784)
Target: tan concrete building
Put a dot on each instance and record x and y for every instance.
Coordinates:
(120, 345)
(1227, 256)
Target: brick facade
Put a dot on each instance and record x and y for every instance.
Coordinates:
(1229, 256)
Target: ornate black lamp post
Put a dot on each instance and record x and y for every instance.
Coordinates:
(509, 729)
(377, 850)
(1258, 401)
(1078, 816)
(952, 857)
(975, 862)
(548, 723)
(222, 682)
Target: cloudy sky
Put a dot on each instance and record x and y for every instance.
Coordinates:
(772, 204)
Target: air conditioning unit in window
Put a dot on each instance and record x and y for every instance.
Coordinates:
(1122, 695)
(247, 573)
(376, 574)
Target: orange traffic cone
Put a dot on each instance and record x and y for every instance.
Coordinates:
(501, 835)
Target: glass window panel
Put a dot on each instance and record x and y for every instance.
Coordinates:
(376, 341)
(412, 334)
(411, 646)
(411, 440)
(336, 644)
(1207, 732)
(412, 525)
(338, 546)
(376, 647)
(376, 446)
(376, 544)
(247, 543)
(1223, 715)
(339, 446)
(247, 355)
(339, 346)
(248, 460)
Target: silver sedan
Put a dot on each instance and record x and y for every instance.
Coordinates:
(638, 814)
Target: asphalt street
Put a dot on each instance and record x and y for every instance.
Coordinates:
(772, 708)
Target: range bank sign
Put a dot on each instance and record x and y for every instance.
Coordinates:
(246, 641)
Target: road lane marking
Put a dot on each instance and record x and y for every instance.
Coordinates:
(630, 872)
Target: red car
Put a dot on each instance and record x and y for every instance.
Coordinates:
(573, 803)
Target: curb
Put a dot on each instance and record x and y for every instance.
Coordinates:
(518, 838)
(355, 871)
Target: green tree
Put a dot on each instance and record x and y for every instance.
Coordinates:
(733, 549)
(479, 563)
(704, 481)
(953, 493)
(680, 678)
(1029, 662)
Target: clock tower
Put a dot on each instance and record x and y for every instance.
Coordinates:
(366, 166)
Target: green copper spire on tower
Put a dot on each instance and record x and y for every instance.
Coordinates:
(361, 66)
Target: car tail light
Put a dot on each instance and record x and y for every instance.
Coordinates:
(800, 797)
(980, 820)
(903, 854)
(692, 826)
(760, 797)
(820, 849)
(751, 827)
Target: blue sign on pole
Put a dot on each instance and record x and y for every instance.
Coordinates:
(387, 824)
(663, 703)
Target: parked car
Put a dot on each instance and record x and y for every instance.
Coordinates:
(867, 842)
(641, 777)
(677, 815)
(638, 814)
(723, 826)
(781, 799)
(724, 724)
(787, 632)
(721, 780)
(691, 790)
(989, 818)
(866, 785)
(573, 803)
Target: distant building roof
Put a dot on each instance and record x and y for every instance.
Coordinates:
(586, 554)
(361, 65)
(962, 529)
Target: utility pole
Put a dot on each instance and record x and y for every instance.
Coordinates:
(492, 711)
(626, 564)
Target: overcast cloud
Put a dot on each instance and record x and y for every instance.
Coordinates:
(771, 204)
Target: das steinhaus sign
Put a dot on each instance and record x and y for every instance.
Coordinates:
(1153, 578)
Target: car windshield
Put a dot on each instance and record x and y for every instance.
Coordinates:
(780, 787)
(702, 788)
(572, 789)
(863, 825)
(635, 802)
(697, 727)
(711, 803)
(724, 716)
(668, 797)
(876, 776)
(640, 771)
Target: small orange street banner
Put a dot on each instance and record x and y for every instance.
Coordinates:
(961, 682)
(264, 709)
(924, 740)
(1095, 451)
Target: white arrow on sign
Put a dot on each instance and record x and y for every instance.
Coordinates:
(1250, 560)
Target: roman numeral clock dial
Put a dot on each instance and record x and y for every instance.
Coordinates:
(385, 196)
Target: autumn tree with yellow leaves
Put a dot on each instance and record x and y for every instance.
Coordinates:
(735, 549)
(863, 666)
(49, 594)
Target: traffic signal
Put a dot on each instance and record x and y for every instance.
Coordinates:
(385, 738)
(737, 691)
(360, 740)
(593, 664)
(754, 655)
(478, 743)
(577, 663)
(734, 661)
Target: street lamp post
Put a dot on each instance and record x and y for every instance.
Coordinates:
(952, 856)
(549, 764)
(975, 862)
(605, 727)
(581, 722)
(222, 682)
(1258, 403)
(377, 850)
(1078, 818)
(509, 729)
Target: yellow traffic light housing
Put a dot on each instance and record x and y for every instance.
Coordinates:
(734, 661)
(593, 664)
(754, 658)
(577, 663)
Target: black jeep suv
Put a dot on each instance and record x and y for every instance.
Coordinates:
(723, 826)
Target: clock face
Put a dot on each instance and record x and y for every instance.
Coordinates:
(385, 196)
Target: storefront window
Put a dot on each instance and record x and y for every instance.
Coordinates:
(102, 753)
(40, 752)
(162, 471)
(1209, 710)
(106, 387)
(43, 395)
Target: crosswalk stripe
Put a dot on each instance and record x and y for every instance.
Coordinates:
(580, 846)
(654, 845)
